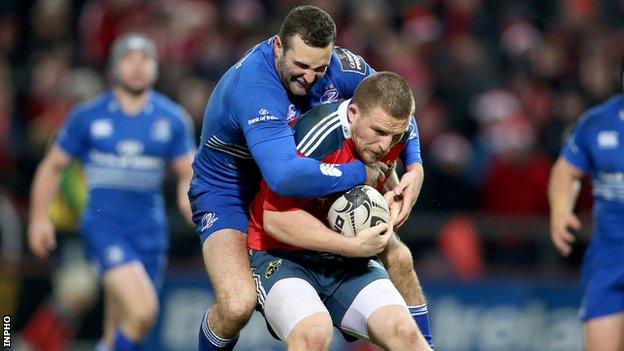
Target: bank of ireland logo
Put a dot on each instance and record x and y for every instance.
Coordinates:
(331, 95)
(208, 220)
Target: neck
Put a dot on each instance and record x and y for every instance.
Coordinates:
(130, 103)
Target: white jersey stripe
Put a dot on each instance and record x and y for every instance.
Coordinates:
(233, 146)
(320, 140)
(226, 150)
(312, 132)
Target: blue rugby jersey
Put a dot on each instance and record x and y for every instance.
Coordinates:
(596, 146)
(125, 160)
(247, 119)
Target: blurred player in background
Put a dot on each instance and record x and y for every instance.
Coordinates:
(308, 276)
(596, 147)
(246, 132)
(125, 139)
(56, 321)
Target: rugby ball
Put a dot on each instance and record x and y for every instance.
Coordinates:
(359, 208)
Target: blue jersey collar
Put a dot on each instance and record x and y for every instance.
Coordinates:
(113, 105)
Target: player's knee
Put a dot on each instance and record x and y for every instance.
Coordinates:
(238, 309)
(142, 316)
(314, 338)
(406, 332)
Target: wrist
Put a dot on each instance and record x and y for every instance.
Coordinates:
(343, 245)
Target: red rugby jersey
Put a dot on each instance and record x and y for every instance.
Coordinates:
(321, 133)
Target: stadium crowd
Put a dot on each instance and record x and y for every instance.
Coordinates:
(496, 83)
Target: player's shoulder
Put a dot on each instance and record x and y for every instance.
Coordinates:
(603, 112)
(254, 77)
(344, 62)
(163, 103)
(166, 108)
(318, 132)
(93, 107)
(410, 133)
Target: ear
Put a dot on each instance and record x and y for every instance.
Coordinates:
(278, 48)
(352, 112)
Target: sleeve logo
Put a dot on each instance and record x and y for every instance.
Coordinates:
(330, 169)
(350, 62)
(264, 116)
(608, 139)
(208, 220)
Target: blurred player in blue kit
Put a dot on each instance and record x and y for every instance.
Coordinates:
(125, 140)
(246, 135)
(308, 277)
(596, 147)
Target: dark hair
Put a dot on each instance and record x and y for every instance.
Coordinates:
(315, 26)
(387, 90)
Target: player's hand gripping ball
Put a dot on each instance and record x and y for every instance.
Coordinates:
(359, 208)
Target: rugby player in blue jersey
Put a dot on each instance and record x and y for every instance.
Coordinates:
(246, 135)
(596, 147)
(125, 140)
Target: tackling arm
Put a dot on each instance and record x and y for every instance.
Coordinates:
(291, 175)
(301, 229)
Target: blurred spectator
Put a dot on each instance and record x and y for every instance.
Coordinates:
(460, 244)
(516, 178)
(448, 187)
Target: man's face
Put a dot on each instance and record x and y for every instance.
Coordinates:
(136, 71)
(300, 65)
(374, 132)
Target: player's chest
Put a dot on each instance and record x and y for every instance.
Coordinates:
(324, 92)
(129, 136)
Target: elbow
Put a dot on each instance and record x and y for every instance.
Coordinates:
(270, 222)
(284, 184)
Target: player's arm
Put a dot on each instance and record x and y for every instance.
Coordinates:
(286, 220)
(301, 229)
(41, 237)
(409, 186)
(563, 189)
(272, 146)
(181, 152)
(182, 167)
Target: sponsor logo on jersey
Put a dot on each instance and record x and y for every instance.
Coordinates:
(292, 113)
(130, 147)
(101, 128)
(208, 220)
(330, 169)
(608, 139)
(272, 268)
(114, 255)
(161, 130)
(264, 117)
(330, 96)
(350, 62)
